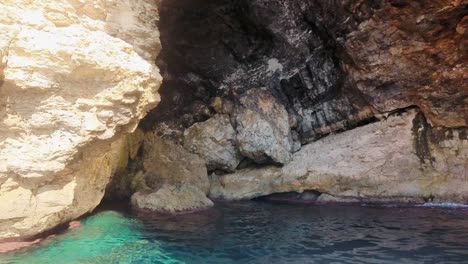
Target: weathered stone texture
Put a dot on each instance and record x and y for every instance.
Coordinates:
(75, 77)
(174, 179)
(263, 128)
(172, 199)
(376, 162)
(215, 141)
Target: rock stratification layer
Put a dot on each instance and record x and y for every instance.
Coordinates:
(75, 77)
(334, 65)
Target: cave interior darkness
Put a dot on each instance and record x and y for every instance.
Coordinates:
(300, 52)
(220, 49)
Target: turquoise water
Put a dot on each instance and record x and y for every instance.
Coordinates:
(107, 237)
(261, 232)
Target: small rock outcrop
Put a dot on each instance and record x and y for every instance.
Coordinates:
(383, 161)
(165, 162)
(75, 78)
(174, 179)
(172, 199)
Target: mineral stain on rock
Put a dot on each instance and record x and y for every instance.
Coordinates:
(421, 132)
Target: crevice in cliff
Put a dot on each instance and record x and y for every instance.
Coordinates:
(126, 182)
(421, 131)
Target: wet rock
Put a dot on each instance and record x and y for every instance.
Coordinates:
(293, 197)
(263, 131)
(327, 198)
(215, 141)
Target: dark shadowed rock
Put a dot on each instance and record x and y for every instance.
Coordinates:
(175, 179)
(333, 65)
(165, 162)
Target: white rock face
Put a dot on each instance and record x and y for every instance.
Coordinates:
(376, 162)
(75, 77)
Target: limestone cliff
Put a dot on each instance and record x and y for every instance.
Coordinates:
(75, 78)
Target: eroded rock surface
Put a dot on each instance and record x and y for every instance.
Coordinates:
(263, 128)
(253, 79)
(382, 161)
(75, 77)
(165, 162)
(173, 179)
(172, 199)
(334, 65)
(215, 141)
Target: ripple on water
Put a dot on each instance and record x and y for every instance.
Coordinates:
(259, 232)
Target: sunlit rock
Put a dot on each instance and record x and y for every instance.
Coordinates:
(75, 77)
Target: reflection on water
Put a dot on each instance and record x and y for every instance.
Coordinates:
(259, 232)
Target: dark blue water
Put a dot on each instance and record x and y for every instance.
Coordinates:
(260, 232)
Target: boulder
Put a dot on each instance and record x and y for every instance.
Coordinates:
(166, 162)
(215, 141)
(263, 132)
(175, 179)
(172, 199)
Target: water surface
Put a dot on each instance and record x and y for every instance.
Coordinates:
(261, 232)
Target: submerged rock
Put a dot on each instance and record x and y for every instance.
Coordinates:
(293, 197)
